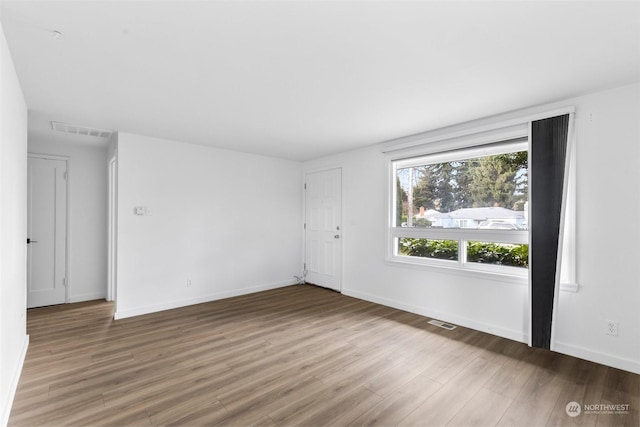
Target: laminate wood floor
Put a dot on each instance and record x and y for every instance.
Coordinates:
(299, 355)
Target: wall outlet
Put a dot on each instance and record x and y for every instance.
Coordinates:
(612, 327)
(188, 283)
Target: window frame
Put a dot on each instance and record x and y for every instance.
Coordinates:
(499, 140)
(504, 127)
(468, 135)
(512, 141)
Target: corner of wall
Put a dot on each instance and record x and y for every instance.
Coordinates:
(13, 228)
(13, 385)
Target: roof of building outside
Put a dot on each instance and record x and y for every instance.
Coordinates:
(478, 214)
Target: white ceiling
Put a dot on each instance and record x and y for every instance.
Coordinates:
(304, 79)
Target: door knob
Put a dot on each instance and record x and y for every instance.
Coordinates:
(31, 241)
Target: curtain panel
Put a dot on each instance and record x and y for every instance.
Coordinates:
(548, 154)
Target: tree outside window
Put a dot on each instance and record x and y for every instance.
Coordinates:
(485, 193)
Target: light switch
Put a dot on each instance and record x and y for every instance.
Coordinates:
(140, 210)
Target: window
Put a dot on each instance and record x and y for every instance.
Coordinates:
(465, 209)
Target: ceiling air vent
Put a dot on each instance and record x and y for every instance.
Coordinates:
(81, 130)
(440, 324)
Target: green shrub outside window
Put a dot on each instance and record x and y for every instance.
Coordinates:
(514, 255)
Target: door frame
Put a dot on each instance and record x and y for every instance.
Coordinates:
(67, 239)
(340, 271)
(112, 255)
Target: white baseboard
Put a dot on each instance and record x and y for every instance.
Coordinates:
(447, 317)
(87, 297)
(6, 406)
(568, 349)
(138, 311)
(598, 357)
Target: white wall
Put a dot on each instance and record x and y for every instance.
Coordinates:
(229, 222)
(608, 248)
(87, 247)
(608, 141)
(13, 230)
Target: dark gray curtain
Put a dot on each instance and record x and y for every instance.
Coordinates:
(547, 168)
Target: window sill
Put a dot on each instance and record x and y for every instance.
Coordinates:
(569, 287)
(517, 279)
(457, 269)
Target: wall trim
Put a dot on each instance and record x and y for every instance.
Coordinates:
(598, 357)
(13, 387)
(138, 311)
(563, 348)
(87, 297)
(511, 334)
(456, 270)
(501, 122)
(570, 287)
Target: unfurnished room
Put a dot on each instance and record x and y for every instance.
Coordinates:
(319, 213)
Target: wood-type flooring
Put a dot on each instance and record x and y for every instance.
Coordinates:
(299, 356)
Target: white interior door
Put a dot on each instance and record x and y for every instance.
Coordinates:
(47, 232)
(323, 229)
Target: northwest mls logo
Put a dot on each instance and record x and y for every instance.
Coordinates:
(573, 409)
(607, 408)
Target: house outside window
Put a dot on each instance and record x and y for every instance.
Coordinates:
(465, 209)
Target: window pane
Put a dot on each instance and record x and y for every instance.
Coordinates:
(428, 248)
(498, 254)
(487, 192)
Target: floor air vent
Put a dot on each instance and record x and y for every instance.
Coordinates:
(447, 326)
(80, 130)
